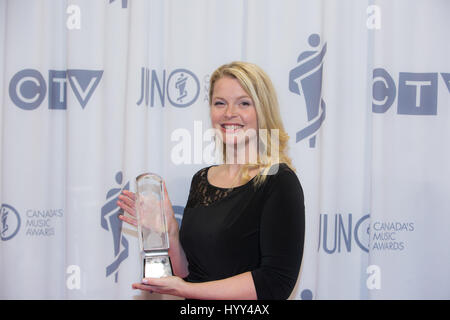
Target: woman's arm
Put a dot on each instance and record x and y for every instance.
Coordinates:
(177, 257)
(239, 287)
(282, 232)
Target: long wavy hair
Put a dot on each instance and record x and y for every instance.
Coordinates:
(257, 84)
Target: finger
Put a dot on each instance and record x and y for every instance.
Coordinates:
(156, 282)
(128, 220)
(129, 194)
(126, 208)
(144, 287)
(130, 202)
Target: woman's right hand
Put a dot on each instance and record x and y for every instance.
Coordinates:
(127, 202)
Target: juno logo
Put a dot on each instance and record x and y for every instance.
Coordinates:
(181, 88)
(9, 222)
(306, 80)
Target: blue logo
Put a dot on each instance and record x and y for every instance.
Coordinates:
(124, 3)
(27, 88)
(83, 83)
(306, 80)
(181, 88)
(306, 294)
(446, 78)
(417, 92)
(178, 211)
(110, 222)
(337, 235)
(9, 222)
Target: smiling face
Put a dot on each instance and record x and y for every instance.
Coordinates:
(233, 112)
(244, 108)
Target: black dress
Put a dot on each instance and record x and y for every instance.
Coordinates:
(225, 232)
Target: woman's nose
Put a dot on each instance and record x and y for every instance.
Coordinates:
(230, 111)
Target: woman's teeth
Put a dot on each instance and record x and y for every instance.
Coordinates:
(231, 126)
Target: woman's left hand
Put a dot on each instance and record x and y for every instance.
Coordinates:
(167, 285)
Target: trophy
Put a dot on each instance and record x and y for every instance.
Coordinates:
(152, 229)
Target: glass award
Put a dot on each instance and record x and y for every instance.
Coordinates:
(152, 227)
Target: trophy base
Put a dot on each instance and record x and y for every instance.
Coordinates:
(157, 265)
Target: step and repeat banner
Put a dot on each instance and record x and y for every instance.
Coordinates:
(96, 92)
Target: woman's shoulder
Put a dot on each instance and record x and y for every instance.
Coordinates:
(284, 187)
(279, 167)
(282, 174)
(281, 170)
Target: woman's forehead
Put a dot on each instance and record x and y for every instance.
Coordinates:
(231, 87)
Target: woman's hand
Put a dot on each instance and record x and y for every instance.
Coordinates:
(167, 285)
(238, 287)
(127, 201)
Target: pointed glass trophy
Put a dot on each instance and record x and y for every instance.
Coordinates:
(152, 228)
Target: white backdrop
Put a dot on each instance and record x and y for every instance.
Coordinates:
(94, 93)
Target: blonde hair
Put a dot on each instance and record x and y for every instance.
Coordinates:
(257, 84)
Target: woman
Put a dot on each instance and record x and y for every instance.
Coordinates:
(242, 232)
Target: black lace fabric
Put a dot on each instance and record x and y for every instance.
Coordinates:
(202, 193)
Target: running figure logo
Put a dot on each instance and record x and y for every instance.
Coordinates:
(110, 222)
(306, 80)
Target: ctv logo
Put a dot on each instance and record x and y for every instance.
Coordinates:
(417, 92)
(28, 88)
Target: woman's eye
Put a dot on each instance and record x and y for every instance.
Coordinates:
(219, 103)
(245, 103)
